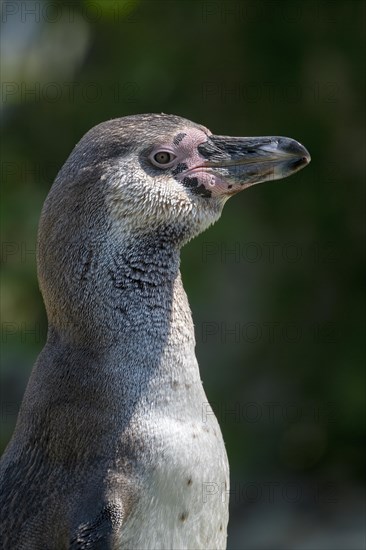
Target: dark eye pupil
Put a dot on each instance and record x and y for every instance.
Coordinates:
(163, 157)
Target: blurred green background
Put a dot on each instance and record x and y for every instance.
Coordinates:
(275, 286)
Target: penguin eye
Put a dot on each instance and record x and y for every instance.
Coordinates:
(163, 158)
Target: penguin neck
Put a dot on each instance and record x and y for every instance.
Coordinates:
(128, 303)
(140, 266)
(135, 341)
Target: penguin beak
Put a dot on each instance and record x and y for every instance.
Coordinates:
(236, 163)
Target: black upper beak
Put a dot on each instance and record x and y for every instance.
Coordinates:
(242, 162)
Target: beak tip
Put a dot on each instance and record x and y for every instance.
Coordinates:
(306, 159)
(300, 155)
(299, 163)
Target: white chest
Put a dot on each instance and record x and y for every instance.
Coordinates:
(184, 489)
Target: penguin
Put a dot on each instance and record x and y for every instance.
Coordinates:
(114, 447)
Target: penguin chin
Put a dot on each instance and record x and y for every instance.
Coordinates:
(175, 232)
(170, 211)
(203, 216)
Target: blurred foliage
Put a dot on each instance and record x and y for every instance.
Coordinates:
(282, 270)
